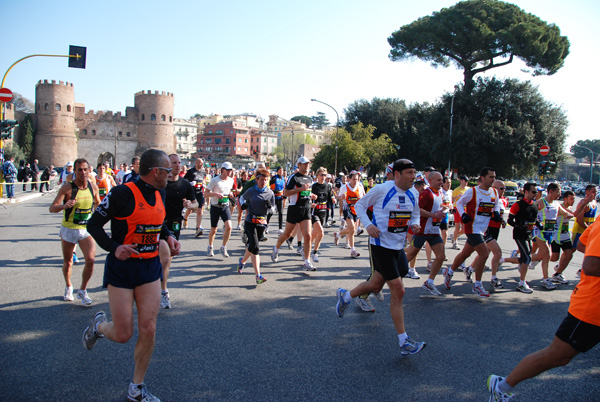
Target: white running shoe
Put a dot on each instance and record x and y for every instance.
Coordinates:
(165, 300)
(354, 254)
(429, 264)
(336, 238)
(299, 250)
(274, 254)
(524, 288)
(533, 264)
(211, 252)
(364, 304)
(347, 246)
(480, 291)
(308, 266)
(431, 289)
(315, 257)
(412, 274)
(280, 232)
(547, 283)
(68, 293)
(83, 296)
(379, 296)
(224, 251)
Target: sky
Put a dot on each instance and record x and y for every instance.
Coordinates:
(269, 57)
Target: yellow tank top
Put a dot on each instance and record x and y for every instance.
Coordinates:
(77, 217)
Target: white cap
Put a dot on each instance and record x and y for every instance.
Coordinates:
(302, 159)
(389, 168)
(328, 176)
(69, 163)
(227, 165)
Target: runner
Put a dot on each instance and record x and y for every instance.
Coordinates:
(132, 271)
(258, 201)
(476, 207)
(320, 210)
(395, 208)
(277, 183)
(197, 176)
(135, 169)
(432, 213)
(76, 199)
(104, 181)
(589, 213)
(419, 186)
(298, 191)
(180, 195)
(578, 333)
(562, 240)
(220, 191)
(349, 195)
(458, 225)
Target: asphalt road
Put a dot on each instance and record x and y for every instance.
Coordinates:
(226, 339)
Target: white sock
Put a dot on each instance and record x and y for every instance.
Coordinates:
(502, 260)
(307, 261)
(504, 386)
(521, 283)
(352, 249)
(450, 271)
(430, 281)
(478, 284)
(347, 297)
(402, 337)
(494, 277)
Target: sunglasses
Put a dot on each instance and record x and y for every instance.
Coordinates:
(500, 188)
(168, 170)
(533, 192)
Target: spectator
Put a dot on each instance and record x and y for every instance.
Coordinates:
(10, 173)
(35, 174)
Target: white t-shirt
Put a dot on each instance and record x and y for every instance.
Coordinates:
(218, 185)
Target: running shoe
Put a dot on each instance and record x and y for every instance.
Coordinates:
(244, 238)
(224, 251)
(578, 273)
(364, 304)
(496, 283)
(495, 394)
(75, 259)
(308, 266)
(68, 293)
(559, 278)
(260, 279)
(315, 256)
(139, 393)
(412, 274)
(447, 278)
(480, 291)
(333, 222)
(240, 266)
(336, 238)
(431, 289)
(185, 224)
(165, 300)
(429, 264)
(264, 238)
(267, 230)
(514, 253)
(410, 347)
(524, 288)
(556, 267)
(280, 232)
(341, 305)
(451, 238)
(461, 267)
(83, 296)
(359, 231)
(211, 252)
(468, 272)
(327, 225)
(299, 250)
(289, 242)
(379, 296)
(533, 264)
(454, 245)
(274, 254)
(199, 232)
(354, 254)
(237, 228)
(547, 283)
(90, 335)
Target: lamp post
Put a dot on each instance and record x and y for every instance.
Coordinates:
(451, 118)
(591, 161)
(337, 131)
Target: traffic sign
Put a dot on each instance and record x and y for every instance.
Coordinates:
(6, 95)
(544, 150)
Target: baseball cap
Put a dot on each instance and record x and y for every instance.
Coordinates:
(69, 163)
(388, 168)
(341, 174)
(302, 159)
(227, 165)
(328, 176)
(429, 169)
(463, 177)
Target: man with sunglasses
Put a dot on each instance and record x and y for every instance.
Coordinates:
(133, 270)
(219, 190)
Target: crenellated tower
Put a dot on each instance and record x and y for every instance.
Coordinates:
(155, 117)
(55, 139)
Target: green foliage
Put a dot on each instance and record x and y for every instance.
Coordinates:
(14, 150)
(478, 35)
(303, 119)
(581, 153)
(319, 120)
(26, 137)
(285, 153)
(356, 147)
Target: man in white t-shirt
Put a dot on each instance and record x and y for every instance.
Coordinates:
(219, 191)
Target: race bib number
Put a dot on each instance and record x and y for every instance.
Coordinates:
(564, 228)
(82, 216)
(223, 201)
(259, 220)
(101, 191)
(321, 205)
(398, 221)
(352, 200)
(146, 237)
(305, 193)
(485, 209)
(176, 226)
(436, 221)
(549, 225)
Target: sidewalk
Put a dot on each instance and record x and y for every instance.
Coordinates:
(23, 196)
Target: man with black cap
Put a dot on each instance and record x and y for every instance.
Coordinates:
(298, 190)
(395, 209)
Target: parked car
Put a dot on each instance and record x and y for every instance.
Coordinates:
(510, 192)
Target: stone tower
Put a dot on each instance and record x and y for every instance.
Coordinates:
(155, 116)
(55, 139)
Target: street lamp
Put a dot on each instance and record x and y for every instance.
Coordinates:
(451, 118)
(591, 160)
(337, 131)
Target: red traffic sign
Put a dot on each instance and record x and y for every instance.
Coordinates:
(544, 150)
(6, 95)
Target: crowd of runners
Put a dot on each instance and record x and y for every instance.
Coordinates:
(149, 205)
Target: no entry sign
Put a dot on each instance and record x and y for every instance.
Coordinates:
(6, 95)
(544, 150)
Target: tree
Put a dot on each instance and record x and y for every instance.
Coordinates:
(303, 119)
(26, 137)
(14, 150)
(478, 35)
(285, 153)
(319, 120)
(581, 153)
(22, 104)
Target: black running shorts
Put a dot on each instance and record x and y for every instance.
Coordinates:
(391, 264)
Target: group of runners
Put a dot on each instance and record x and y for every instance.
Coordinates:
(149, 210)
